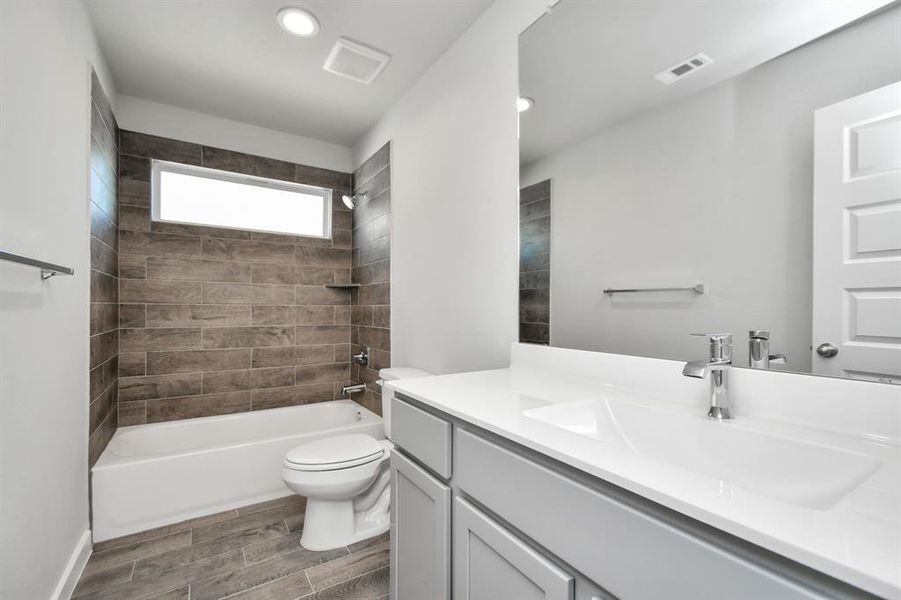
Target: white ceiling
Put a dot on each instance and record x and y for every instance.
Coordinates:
(588, 65)
(229, 58)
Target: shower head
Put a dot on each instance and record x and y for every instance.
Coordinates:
(351, 201)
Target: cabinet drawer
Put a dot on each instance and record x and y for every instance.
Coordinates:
(631, 554)
(491, 563)
(424, 436)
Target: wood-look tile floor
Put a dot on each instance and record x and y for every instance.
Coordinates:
(252, 553)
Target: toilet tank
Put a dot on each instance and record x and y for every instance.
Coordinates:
(393, 374)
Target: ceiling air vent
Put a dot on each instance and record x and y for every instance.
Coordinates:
(355, 61)
(681, 69)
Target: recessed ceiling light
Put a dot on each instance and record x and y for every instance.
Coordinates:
(523, 104)
(297, 21)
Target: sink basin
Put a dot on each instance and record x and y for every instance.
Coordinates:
(789, 470)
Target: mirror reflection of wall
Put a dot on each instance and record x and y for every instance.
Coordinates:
(709, 179)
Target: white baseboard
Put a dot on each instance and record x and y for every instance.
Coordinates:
(74, 567)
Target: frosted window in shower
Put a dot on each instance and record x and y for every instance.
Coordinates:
(201, 196)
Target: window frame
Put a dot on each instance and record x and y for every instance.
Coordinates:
(157, 167)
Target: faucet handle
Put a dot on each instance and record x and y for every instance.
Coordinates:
(720, 345)
(778, 358)
(714, 336)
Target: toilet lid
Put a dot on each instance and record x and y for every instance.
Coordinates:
(336, 452)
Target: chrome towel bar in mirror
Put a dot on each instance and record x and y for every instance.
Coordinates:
(697, 289)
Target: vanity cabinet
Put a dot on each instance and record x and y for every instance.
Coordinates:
(605, 537)
(491, 563)
(478, 517)
(420, 532)
(424, 436)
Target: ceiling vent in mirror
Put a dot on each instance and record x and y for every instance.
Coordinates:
(681, 69)
(355, 61)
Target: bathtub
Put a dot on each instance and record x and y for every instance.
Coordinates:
(163, 473)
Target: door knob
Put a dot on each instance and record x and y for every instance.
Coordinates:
(827, 350)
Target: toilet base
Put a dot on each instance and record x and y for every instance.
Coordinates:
(330, 524)
(331, 545)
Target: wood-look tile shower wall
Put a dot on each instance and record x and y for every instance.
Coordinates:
(371, 311)
(104, 311)
(216, 321)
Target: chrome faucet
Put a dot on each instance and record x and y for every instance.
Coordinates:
(759, 356)
(362, 357)
(717, 364)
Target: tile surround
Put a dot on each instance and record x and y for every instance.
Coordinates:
(104, 308)
(534, 262)
(370, 311)
(215, 321)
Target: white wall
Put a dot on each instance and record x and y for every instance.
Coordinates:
(46, 52)
(715, 189)
(454, 209)
(145, 116)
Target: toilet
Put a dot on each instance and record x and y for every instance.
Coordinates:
(345, 479)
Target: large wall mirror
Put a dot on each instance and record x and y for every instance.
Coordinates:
(714, 167)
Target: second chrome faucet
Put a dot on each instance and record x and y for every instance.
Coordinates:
(717, 365)
(759, 356)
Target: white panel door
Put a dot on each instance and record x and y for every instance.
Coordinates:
(857, 237)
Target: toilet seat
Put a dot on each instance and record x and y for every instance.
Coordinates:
(334, 453)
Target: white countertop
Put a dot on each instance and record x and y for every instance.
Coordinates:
(856, 540)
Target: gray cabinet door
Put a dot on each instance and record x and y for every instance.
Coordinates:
(420, 533)
(490, 563)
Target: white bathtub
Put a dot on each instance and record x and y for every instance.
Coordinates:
(162, 473)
